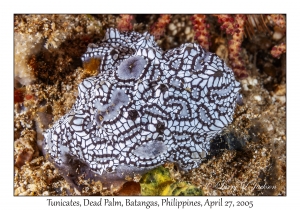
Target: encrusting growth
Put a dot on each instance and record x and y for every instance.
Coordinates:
(277, 50)
(125, 23)
(234, 26)
(201, 30)
(158, 29)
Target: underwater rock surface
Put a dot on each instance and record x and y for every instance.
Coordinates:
(144, 108)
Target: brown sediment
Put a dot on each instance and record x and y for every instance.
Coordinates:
(53, 69)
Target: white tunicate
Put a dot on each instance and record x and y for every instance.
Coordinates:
(144, 108)
(131, 68)
(150, 150)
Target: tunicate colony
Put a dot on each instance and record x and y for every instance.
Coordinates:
(144, 108)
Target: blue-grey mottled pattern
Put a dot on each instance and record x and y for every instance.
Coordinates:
(145, 107)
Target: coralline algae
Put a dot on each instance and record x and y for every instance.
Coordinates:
(144, 108)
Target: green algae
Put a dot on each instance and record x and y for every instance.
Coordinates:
(159, 182)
